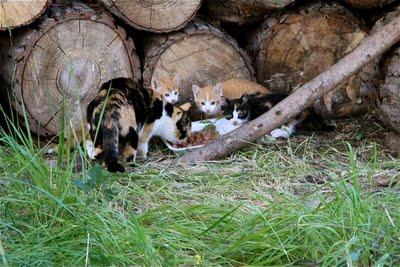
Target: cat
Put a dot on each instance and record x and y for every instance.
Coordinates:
(208, 99)
(250, 106)
(122, 119)
(167, 88)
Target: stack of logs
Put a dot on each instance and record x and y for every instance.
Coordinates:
(54, 55)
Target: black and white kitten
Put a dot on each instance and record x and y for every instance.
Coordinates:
(250, 106)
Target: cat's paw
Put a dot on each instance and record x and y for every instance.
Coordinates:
(115, 167)
(90, 150)
(280, 133)
(142, 150)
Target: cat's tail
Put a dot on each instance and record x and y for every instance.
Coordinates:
(110, 145)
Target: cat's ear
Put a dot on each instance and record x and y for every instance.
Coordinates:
(224, 102)
(155, 85)
(245, 99)
(218, 89)
(196, 90)
(185, 107)
(177, 80)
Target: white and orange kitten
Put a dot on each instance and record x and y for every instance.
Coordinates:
(208, 99)
(167, 88)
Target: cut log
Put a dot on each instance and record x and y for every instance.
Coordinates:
(17, 13)
(242, 11)
(200, 53)
(66, 57)
(369, 49)
(389, 90)
(291, 50)
(369, 3)
(154, 16)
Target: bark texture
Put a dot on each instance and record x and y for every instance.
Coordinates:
(292, 49)
(389, 90)
(366, 52)
(155, 16)
(200, 53)
(242, 11)
(20, 12)
(58, 66)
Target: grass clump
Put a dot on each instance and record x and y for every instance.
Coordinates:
(259, 207)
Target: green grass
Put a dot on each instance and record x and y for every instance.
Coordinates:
(309, 201)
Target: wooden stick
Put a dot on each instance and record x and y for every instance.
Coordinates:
(368, 50)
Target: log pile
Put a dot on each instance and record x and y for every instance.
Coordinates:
(54, 55)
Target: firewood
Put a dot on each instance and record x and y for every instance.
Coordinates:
(242, 11)
(369, 49)
(200, 53)
(389, 90)
(155, 16)
(14, 14)
(290, 50)
(67, 56)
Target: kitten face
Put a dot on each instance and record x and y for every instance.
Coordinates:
(237, 110)
(167, 88)
(208, 99)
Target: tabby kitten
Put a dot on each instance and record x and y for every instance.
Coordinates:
(167, 88)
(208, 98)
(122, 119)
(249, 107)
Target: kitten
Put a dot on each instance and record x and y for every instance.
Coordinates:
(122, 119)
(208, 98)
(167, 88)
(249, 107)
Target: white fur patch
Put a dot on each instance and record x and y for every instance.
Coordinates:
(235, 118)
(285, 131)
(172, 97)
(90, 149)
(209, 109)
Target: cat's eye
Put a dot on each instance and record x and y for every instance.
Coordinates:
(176, 93)
(203, 104)
(167, 95)
(213, 103)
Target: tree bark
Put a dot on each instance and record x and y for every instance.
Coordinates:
(200, 53)
(154, 16)
(242, 11)
(369, 49)
(290, 50)
(389, 90)
(17, 13)
(369, 3)
(65, 57)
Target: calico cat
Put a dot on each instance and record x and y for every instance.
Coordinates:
(122, 119)
(249, 107)
(208, 98)
(167, 88)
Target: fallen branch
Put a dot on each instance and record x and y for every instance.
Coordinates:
(368, 50)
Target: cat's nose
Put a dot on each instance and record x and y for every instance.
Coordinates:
(208, 110)
(235, 123)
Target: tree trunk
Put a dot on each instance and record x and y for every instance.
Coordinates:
(292, 49)
(20, 12)
(66, 57)
(369, 3)
(286, 110)
(389, 90)
(154, 16)
(200, 53)
(242, 11)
